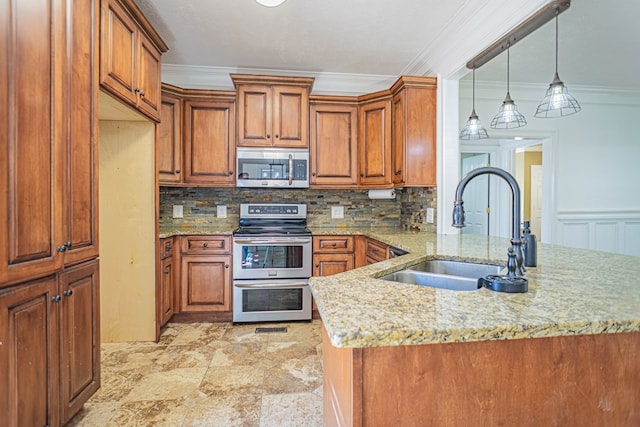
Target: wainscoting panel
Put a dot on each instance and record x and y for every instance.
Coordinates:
(608, 231)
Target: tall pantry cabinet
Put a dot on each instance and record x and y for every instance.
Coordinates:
(49, 335)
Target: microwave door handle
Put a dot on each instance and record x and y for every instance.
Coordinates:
(290, 170)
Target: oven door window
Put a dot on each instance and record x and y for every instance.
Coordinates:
(270, 256)
(265, 300)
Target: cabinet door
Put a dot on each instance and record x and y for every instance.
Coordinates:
(205, 283)
(166, 291)
(32, 131)
(29, 365)
(118, 51)
(209, 142)
(290, 117)
(397, 138)
(333, 145)
(329, 264)
(80, 337)
(374, 141)
(419, 168)
(170, 143)
(149, 92)
(255, 115)
(81, 195)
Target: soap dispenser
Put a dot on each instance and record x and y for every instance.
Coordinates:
(530, 246)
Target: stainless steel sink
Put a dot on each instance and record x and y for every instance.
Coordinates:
(457, 268)
(444, 274)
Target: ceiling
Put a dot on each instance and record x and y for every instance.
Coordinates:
(378, 40)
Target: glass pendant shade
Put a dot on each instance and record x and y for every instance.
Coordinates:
(508, 116)
(474, 129)
(557, 102)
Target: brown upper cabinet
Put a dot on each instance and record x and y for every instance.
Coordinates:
(209, 148)
(333, 142)
(374, 140)
(272, 111)
(130, 56)
(413, 124)
(170, 140)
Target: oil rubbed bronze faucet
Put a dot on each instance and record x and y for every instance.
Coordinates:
(514, 280)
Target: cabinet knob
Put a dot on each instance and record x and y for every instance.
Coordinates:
(141, 93)
(137, 90)
(57, 298)
(205, 244)
(313, 174)
(268, 135)
(317, 265)
(226, 266)
(230, 173)
(178, 171)
(362, 175)
(333, 244)
(277, 136)
(399, 171)
(68, 292)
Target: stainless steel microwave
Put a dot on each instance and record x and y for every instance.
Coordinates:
(272, 167)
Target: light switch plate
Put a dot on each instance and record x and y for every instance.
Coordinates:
(178, 211)
(337, 212)
(430, 215)
(221, 211)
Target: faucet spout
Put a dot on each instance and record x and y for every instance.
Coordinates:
(516, 242)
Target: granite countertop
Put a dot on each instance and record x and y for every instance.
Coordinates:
(571, 292)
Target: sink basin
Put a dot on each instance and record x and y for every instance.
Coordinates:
(445, 274)
(442, 281)
(457, 268)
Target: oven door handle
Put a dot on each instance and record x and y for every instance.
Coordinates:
(269, 285)
(261, 241)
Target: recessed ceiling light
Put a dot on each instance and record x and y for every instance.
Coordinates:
(270, 3)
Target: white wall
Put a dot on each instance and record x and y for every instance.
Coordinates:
(595, 160)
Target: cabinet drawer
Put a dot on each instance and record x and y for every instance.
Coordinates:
(333, 244)
(166, 248)
(376, 251)
(206, 244)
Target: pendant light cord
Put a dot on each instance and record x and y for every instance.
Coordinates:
(473, 91)
(508, 45)
(557, 12)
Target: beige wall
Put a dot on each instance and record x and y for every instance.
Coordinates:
(127, 231)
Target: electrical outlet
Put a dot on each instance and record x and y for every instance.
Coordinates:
(337, 212)
(430, 215)
(221, 211)
(178, 211)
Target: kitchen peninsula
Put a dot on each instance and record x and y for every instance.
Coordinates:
(565, 353)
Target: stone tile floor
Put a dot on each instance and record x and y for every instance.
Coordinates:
(211, 374)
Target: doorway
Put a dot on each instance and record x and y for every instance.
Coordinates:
(487, 200)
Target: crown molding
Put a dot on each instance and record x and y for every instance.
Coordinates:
(218, 78)
(483, 24)
(609, 95)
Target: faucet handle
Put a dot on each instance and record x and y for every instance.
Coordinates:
(511, 263)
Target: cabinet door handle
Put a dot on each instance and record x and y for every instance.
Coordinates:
(57, 298)
(64, 247)
(68, 292)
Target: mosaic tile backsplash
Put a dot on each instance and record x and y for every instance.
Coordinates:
(408, 209)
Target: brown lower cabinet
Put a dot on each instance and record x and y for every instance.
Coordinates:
(332, 255)
(205, 286)
(49, 347)
(166, 290)
(582, 380)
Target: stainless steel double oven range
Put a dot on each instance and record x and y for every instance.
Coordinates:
(272, 256)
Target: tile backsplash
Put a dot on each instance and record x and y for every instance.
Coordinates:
(408, 209)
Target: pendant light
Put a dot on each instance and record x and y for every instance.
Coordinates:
(557, 102)
(474, 129)
(508, 117)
